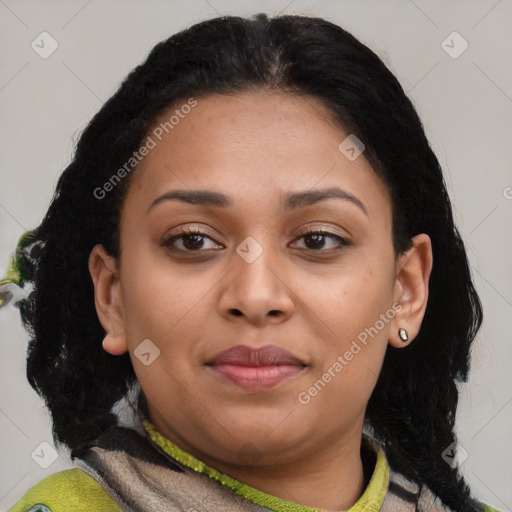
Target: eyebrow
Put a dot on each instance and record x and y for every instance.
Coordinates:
(290, 200)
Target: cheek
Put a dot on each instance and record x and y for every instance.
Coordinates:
(354, 336)
(353, 298)
(151, 300)
(163, 301)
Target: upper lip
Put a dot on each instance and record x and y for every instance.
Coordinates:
(242, 355)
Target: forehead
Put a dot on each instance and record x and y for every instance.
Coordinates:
(255, 147)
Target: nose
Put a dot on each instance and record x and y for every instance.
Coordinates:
(256, 288)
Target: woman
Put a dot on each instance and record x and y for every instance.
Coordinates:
(250, 259)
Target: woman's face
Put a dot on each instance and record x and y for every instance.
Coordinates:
(252, 278)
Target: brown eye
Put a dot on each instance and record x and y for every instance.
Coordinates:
(316, 240)
(192, 240)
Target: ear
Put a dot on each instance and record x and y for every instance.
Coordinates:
(108, 299)
(411, 289)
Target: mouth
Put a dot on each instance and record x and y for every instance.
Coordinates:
(256, 369)
(256, 378)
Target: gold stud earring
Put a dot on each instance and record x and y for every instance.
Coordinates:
(404, 336)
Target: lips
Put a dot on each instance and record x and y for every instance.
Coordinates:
(256, 370)
(269, 355)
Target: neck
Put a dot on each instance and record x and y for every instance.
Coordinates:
(331, 478)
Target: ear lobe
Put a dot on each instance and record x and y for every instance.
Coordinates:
(108, 299)
(115, 345)
(411, 289)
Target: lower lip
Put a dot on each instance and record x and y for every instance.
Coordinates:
(253, 378)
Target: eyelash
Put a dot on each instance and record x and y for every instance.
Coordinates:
(194, 231)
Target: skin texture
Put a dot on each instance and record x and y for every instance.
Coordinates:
(310, 297)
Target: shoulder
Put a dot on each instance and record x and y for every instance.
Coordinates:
(71, 490)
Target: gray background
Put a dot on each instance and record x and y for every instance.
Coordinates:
(465, 104)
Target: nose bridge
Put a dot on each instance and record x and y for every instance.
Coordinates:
(255, 260)
(255, 287)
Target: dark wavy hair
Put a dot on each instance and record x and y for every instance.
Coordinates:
(413, 406)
